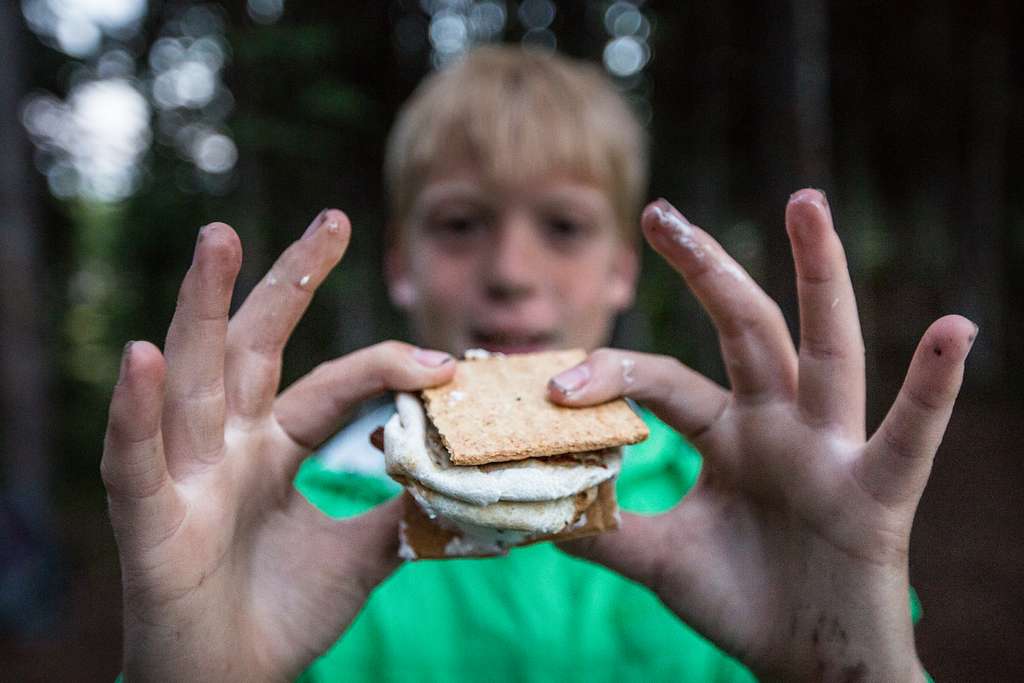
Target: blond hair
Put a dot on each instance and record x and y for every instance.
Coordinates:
(519, 113)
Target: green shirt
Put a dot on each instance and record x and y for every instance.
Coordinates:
(536, 614)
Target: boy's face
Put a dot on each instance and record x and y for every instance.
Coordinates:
(510, 267)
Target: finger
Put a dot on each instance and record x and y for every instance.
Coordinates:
(831, 380)
(260, 329)
(193, 416)
(144, 507)
(898, 458)
(682, 398)
(756, 347)
(316, 406)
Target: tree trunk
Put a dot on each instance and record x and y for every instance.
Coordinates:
(776, 151)
(26, 507)
(982, 248)
(813, 112)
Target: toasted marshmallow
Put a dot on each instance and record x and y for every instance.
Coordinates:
(408, 454)
(532, 496)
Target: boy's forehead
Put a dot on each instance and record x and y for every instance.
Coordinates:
(454, 181)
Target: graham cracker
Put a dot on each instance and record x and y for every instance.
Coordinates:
(496, 409)
(425, 539)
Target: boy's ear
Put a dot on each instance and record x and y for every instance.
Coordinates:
(401, 290)
(625, 271)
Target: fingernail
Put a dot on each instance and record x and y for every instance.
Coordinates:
(811, 196)
(676, 227)
(669, 214)
(311, 230)
(973, 336)
(199, 239)
(572, 379)
(821, 192)
(431, 358)
(126, 354)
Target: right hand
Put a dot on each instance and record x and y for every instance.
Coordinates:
(229, 573)
(790, 552)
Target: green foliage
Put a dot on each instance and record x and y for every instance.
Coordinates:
(340, 104)
(304, 47)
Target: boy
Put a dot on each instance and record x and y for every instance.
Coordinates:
(515, 178)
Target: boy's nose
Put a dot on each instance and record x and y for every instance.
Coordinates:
(516, 263)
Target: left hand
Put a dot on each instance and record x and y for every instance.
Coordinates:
(228, 572)
(791, 550)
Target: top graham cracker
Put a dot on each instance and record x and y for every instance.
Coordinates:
(496, 410)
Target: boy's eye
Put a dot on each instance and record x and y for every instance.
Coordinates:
(460, 226)
(457, 226)
(564, 230)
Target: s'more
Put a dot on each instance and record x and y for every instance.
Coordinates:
(488, 462)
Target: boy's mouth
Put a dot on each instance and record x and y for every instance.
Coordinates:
(507, 341)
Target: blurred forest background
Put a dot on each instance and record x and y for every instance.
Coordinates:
(125, 125)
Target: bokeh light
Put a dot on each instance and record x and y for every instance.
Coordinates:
(93, 143)
(189, 94)
(90, 145)
(264, 11)
(627, 52)
(448, 33)
(214, 152)
(443, 30)
(625, 56)
(536, 14)
(77, 27)
(486, 20)
(452, 27)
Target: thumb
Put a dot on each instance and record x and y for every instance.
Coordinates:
(144, 506)
(367, 547)
(635, 549)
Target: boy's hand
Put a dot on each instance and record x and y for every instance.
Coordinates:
(791, 550)
(228, 572)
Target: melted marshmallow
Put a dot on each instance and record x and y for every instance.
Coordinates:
(532, 480)
(491, 509)
(539, 517)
